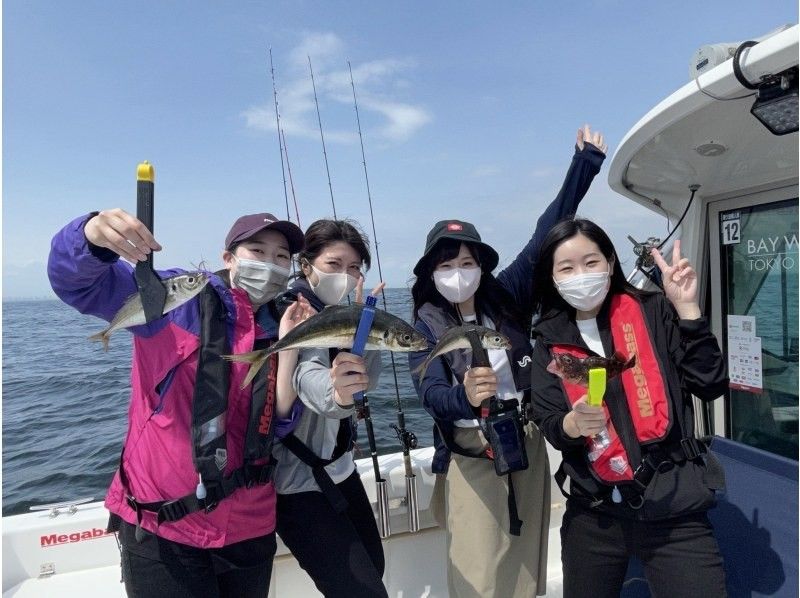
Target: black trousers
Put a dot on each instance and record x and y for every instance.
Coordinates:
(680, 556)
(342, 552)
(159, 568)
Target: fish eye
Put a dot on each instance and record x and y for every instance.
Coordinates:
(174, 286)
(407, 337)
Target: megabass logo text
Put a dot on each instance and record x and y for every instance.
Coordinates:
(58, 539)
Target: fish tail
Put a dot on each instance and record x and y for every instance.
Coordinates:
(101, 337)
(256, 359)
(420, 370)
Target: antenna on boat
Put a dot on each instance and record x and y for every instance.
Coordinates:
(322, 137)
(408, 440)
(278, 129)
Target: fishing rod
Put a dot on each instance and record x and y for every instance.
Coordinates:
(362, 403)
(322, 137)
(291, 182)
(278, 129)
(408, 440)
(359, 344)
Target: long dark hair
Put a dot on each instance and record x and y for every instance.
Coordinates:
(546, 298)
(490, 293)
(323, 232)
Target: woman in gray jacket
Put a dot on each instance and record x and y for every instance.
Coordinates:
(323, 514)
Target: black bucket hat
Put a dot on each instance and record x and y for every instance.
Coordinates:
(459, 231)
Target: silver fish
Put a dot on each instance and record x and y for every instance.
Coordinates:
(456, 338)
(180, 289)
(335, 328)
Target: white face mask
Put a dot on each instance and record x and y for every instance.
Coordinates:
(584, 292)
(457, 285)
(261, 280)
(332, 287)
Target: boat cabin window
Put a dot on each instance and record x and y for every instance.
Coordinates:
(759, 268)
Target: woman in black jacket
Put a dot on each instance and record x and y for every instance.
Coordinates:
(640, 482)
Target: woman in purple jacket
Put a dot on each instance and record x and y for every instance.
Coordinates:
(193, 499)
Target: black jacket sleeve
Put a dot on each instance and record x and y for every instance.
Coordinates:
(695, 351)
(548, 401)
(585, 165)
(440, 397)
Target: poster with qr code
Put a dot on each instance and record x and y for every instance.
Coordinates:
(744, 354)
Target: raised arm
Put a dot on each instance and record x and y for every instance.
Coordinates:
(87, 276)
(586, 162)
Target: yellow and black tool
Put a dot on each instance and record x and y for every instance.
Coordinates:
(151, 289)
(597, 386)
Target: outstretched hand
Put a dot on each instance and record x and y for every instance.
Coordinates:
(680, 282)
(125, 235)
(359, 294)
(296, 313)
(585, 136)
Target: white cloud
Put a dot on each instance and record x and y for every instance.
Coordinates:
(486, 170)
(377, 84)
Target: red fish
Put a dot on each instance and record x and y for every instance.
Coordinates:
(576, 369)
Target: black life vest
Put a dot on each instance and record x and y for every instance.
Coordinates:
(209, 411)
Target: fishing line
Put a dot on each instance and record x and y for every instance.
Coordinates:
(278, 129)
(291, 182)
(407, 439)
(322, 137)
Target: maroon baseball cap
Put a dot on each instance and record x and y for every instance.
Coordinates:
(247, 226)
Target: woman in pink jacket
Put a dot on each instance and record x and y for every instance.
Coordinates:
(193, 499)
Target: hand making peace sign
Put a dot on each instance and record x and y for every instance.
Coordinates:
(680, 282)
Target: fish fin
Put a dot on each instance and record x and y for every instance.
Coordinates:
(251, 357)
(251, 373)
(631, 362)
(101, 337)
(420, 370)
(553, 368)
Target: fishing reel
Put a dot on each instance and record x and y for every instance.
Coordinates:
(407, 438)
(644, 260)
(642, 252)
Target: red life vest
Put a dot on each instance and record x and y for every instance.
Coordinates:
(644, 388)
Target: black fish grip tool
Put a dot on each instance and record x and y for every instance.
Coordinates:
(501, 421)
(151, 289)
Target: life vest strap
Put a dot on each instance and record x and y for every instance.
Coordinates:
(246, 476)
(344, 443)
(657, 459)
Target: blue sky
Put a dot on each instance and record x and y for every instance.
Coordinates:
(468, 111)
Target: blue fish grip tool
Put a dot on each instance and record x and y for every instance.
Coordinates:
(362, 335)
(151, 290)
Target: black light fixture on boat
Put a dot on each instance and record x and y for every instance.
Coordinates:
(776, 105)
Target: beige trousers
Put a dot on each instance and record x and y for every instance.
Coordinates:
(484, 559)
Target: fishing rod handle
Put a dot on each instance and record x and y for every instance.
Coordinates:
(145, 177)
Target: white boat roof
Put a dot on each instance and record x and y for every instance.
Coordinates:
(658, 158)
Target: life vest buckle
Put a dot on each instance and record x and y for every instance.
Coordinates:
(665, 466)
(172, 510)
(692, 448)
